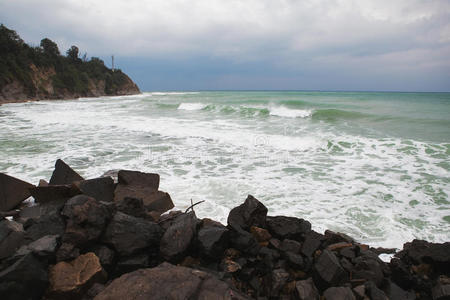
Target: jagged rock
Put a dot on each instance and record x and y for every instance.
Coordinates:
(102, 189)
(132, 206)
(213, 240)
(42, 182)
(278, 280)
(380, 250)
(348, 252)
(328, 271)
(288, 227)
(44, 247)
(250, 213)
(306, 290)
(105, 255)
(86, 220)
(177, 238)
(12, 191)
(49, 224)
(393, 291)
(114, 174)
(339, 293)
(332, 237)
(312, 243)
(244, 241)
(132, 263)
(72, 279)
(153, 200)
(11, 237)
(295, 259)
(63, 174)
(67, 252)
(25, 279)
(360, 292)
(369, 267)
(44, 194)
(260, 234)
(441, 292)
(374, 292)
(401, 274)
(288, 245)
(128, 235)
(168, 282)
(137, 178)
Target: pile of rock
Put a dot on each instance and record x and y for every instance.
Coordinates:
(102, 239)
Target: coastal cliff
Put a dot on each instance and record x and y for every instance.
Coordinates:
(38, 73)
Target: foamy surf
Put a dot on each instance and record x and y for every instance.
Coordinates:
(281, 111)
(192, 106)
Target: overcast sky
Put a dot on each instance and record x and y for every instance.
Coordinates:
(401, 45)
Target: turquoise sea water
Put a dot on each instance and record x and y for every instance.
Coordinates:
(373, 165)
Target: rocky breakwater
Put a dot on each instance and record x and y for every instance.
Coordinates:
(113, 238)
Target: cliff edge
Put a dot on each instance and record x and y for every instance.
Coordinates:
(38, 73)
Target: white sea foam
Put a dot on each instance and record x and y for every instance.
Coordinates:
(192, 106)
(281, 111)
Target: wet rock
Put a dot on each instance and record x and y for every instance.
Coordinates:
(137, 178)
(288, 227)
(250, 213)
(67, 252)
(178, 237)
(380, 250)
(152, 200)
(339, 293)
(441, 292)
(368, 267)
(130, 264)
(132, 206)
(11, 237)
(86, 220)
(129, 235)
(306, 290)
(112, 174)
(332, 237)
(70, 280)
(63, 174)
(44, 194)
(328, 271)
(213, 240)
(12, 191)
(168, 282)
(102, 189)
(312, 242)
(25, 279)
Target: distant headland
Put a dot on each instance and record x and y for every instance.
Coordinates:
(40, 73)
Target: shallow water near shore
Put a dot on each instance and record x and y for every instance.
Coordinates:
(373, 165)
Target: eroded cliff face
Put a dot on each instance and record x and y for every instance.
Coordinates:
(44, 87)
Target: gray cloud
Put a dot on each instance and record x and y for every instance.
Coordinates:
(361, 37)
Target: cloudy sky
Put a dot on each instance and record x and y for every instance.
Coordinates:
(401, 45)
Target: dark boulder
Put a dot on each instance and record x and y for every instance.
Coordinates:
(374, 292)
(368, 267)
(27, 278)
(393, 291)
(168, 282)
(328, 271)
(129, 235)
(278, 279)
(12, 191)
(45, 247)
(213, 240)
(132, 206)
(47, 224)
(288, 245)
(250, 213)
(441, 292)
(288, 227)
(311, 243)
(86, 220)
(261, 235)
(306, 290)
(11, 237)
(332, 237)
(152, 200)
(401, 274)
(63, 174)
(102, 189)
(244, 241)
(131, 263)
(178, 237)
(44, 194)
(339, 293)
(105, 255)
(41, 209)
(136, 178)
(67, 252)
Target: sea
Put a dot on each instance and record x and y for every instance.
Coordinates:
(373, 165)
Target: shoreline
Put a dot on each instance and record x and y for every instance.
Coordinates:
(117, 236)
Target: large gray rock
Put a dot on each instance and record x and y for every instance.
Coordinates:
(129, 235)
(12, 191)
(136, 178)
(11, 237)
(86, 220)
(168, 282)
(250, 213)
(63, 174)
(178, 237)
(44, 247)
(26, 279)
(102, 189)
(328, 271)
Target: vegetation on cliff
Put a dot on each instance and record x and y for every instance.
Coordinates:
(42, 72)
